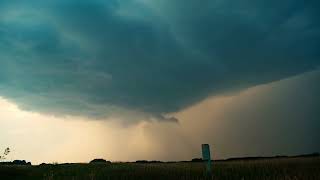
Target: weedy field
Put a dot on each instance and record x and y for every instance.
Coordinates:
(281, 168)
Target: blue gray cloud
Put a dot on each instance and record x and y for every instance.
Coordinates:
(100, 58)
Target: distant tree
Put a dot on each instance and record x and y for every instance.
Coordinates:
(6, 152)
(21, 162)
(103, 161)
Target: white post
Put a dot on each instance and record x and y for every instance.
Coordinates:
(207, 157)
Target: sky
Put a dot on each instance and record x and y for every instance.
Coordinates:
(141, 79)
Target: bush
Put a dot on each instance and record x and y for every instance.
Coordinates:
(21, 162)
(103, 161)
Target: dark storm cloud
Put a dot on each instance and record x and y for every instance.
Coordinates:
(97, 58)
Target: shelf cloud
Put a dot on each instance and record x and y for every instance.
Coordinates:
(145, 59)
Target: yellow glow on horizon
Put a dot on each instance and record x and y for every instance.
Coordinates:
(44, 138)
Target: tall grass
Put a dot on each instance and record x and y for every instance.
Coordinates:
(283, 169)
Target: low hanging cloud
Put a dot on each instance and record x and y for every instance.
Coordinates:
(145, 59)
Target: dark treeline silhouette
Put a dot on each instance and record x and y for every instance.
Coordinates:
(195, 160)
(269, 157)
(16, 162)
(234, 159)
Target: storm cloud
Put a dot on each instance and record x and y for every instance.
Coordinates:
(148, 58)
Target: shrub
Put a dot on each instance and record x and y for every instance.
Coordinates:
(103, 161)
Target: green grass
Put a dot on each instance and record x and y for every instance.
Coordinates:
(284, 169)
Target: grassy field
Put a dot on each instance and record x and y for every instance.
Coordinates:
(282, 168)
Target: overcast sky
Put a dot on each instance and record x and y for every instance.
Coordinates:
(107, 75)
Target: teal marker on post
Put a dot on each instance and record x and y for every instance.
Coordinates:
(207, 157)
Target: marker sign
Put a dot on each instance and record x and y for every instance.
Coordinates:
(206, 157)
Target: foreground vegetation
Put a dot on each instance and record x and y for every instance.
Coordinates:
(281, 168)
